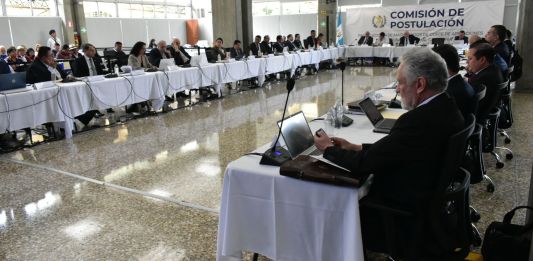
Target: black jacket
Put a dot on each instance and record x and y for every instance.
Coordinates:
(290, 45)
(155, 57)
(490, 77)
(465, 39)
(177, 56)
(121, 57)
(278, 47)
(4, 68)
(39, 73)
(463, 94)
(255, 48)
(265, 48)
(503, 50)
(412, 40)
(406, 163)
(310, 42)
(369, 41)
(236, 54)
(81, 68)
(297, 44)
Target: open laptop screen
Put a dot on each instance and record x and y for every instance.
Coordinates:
(297, 134)
(373, 114)
(12, 81)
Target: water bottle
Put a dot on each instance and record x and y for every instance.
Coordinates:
(251, 53)
(116, 69)
(339, 113)
(219, 58)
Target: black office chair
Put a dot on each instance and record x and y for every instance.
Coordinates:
(506, 117)
(437, 41)
(446, 218)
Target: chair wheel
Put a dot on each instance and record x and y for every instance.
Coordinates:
(474, 216)
(507, 140)
(490, 188)
(499, 165)
(509, 156)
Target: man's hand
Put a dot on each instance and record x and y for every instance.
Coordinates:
(345, 145)
(323, 141)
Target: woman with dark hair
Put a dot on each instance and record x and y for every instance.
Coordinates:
(152, 44)
(319, 40)
(137, 58)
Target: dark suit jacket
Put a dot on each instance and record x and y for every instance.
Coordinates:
(81, 68)
(265, 48)
(39, 73)
(290, 45)
(122, 58)
(4, 68)
(297, 44)
(463, 94)
(412, 40)
(503, 50)
(310, 42)
(177, 57)
(406, 163)
(489, 77)
(278, 47)
(237, 54)
(155, 57)
(465, 39)
(255, 48)
(369, 41)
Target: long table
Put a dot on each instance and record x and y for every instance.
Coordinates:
(289, 219)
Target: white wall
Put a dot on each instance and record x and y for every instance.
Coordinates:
(129, 31)
(28, 31)
(284, 25)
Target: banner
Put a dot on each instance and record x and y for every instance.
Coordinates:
(340, 34)
(423, 21)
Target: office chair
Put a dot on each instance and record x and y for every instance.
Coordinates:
(437, 41)
(446, 218)
(490, 131)
(506, 117)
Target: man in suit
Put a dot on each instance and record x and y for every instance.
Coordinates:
(311, 40)
(278, 45)
(161, 52)
(181, 57)
(458, 88)
(289, 43)
(119, 54)
(412, 40)
(461, 36)
(366, 39)
(406, 163)
(88, 64)
(495, 36)
(255, 47)
(482, 70)
(236, 51)
(265, 45)
(3, 52)
(297, 42)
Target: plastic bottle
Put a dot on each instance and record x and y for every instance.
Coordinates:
(116, 69)
(219, 58)
(339, 113)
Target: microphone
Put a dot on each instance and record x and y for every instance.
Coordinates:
(394, 103)
(277, 155)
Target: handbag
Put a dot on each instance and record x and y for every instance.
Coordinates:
(506, 241)
(305, 167)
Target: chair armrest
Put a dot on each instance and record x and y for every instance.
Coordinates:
(380, 206)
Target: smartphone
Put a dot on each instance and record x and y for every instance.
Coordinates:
(320, 132)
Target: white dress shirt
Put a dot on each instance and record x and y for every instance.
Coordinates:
(52, 42)
(55, 73)
(92, 67)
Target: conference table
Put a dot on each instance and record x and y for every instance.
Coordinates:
(290, 219)
(388, 52)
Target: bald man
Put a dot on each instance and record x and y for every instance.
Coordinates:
(161, 52)
(412, 40)
(366, 39)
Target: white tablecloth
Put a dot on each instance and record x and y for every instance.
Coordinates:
(380, 52)
(289, 219)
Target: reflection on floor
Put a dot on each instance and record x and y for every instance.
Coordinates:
(149, 189)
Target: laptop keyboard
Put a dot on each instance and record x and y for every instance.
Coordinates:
(386, 124)
(316, 152)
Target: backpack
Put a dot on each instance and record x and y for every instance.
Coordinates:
(516, 62)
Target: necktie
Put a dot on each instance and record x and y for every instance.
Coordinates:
(92, 70)
(364, 42)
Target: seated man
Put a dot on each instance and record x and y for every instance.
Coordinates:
(14, 62)
(297, 42)
(495, 36)
(218, 51)
(383, 39)
(310, 41)
(88, 64)
(366, 39)
(255, 47)
(461, 36)
(161, 52)
(482, 70)
(289, 43)
(498, 60)
(265, 45)
(278, 45)
(236, 51)
(411, 39)
(3, 52)
(181, 57)
(4, 68)
(119, 54)
(458, 88)
(406, 163)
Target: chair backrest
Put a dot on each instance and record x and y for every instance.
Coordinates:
(455, 153)
(481, 92)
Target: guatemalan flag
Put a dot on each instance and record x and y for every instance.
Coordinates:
(340, 34)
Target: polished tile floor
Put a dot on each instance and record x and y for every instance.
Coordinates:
(150, 189)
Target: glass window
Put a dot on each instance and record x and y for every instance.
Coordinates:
(136, 11)
(148, 11)
(18, 8)
(124, 10)
(179, 2)
(90, 9)
(107, 9)
(159, 11)
(42, 8)
(307, 7)
(266, 8)
(175, 12)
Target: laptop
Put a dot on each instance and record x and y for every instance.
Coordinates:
(381, 125)
(13, 82)
(298, 136)
(165, 63)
